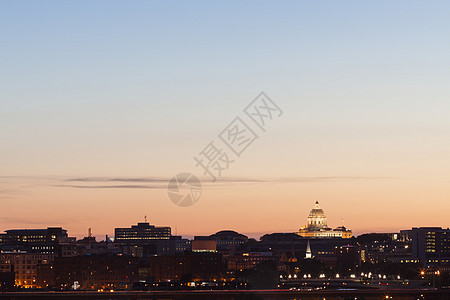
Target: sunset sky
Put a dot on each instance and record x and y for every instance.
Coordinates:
(102, 102)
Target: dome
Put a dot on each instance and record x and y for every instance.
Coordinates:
(316, 211)
(317, 219)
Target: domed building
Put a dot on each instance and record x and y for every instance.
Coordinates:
(317, 226)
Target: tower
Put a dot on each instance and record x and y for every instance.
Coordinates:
(308, 251)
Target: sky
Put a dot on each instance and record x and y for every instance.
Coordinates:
(102, 102)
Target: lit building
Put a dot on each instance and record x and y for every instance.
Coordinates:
(308, 254)
(143, 239)
(430, 245)
(141, 232)
(24, 265)
(46, 241)
(317, 226)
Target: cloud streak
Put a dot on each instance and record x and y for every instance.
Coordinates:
(161, 182)
(125, 186)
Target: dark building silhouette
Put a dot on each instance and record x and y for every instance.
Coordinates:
(187, 267)
(430, 245)
(227, 240)
(322, 249)
(348, 259)
(46, 275)
(7, 281)
(249, 260)
(96, 271)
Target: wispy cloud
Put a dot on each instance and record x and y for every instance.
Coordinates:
(117, 179)
(161, 182)
(125, 186)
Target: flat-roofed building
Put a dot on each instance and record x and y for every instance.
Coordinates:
(45, 241)
(431, 245)
(24, 265)
(144, 238)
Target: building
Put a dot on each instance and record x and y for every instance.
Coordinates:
(44, 241)
(430, 245)
(89, 245)
(205, 266)
(228, 239)
(7, 281)
(45, 276)
(143, 240)
(317, 226)
(96, 272)
(386, 247)
(348, 259)
(320, 249)
(204, 246)
(308, 254)
(247, 261)
(24, 265)
(180, 245)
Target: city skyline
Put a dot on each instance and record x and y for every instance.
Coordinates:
(300, 231)
(103, 103)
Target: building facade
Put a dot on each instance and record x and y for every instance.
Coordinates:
(143, 240)
(96, 272)
(430, 245)
(24, 265)
(317, 226)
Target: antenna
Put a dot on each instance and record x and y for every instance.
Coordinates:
(90, 232)
(145, 218)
